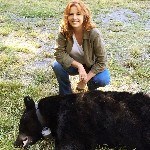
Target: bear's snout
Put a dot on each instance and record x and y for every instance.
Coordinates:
(22, 141)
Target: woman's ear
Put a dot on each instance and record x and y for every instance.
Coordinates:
(29, 103)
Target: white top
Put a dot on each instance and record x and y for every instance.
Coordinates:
(77, 52)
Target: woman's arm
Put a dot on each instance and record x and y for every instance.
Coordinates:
(61, 54)
(81, 70)
(100, 58)
(99, 52)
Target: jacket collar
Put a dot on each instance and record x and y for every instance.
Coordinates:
(86, 35)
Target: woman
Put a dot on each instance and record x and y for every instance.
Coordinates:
(79, 50)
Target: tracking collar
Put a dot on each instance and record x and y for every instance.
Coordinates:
(46, 132)
(39, 116)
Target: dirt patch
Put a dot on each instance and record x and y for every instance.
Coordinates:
(125, 16)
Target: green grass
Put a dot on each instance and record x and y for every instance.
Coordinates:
(27, 34)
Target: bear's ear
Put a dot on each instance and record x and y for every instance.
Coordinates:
(29, 103)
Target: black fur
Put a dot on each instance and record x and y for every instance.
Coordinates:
(83, 121)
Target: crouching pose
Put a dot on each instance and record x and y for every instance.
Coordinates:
(80, 50)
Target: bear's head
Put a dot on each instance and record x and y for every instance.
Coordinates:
(29, 128)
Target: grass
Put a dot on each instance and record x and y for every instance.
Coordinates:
(27, 33)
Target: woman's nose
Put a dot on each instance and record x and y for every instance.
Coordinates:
(74, 16)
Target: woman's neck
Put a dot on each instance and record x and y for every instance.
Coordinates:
(78, 30)
(79, 36)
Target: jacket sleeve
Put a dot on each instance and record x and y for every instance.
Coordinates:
(61, 54)
(99, 52)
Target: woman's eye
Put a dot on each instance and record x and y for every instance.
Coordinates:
(71, 14)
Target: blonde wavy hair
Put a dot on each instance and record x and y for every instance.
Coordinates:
(65, 27)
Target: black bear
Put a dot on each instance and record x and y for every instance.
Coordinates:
(84, 120)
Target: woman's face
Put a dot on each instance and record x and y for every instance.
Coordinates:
(75, 18)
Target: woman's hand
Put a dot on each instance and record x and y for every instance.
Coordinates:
(83, 76)
(81, 70)
(82, 73)
(81, 85)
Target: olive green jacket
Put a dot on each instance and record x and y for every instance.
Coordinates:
(93, 47)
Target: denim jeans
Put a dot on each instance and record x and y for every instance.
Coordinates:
(99, 80)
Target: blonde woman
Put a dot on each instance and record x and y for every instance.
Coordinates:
(79, 50)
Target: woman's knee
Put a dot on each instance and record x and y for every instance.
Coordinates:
(102, 79)
(56, 66)
(59, 71)
(104, 82)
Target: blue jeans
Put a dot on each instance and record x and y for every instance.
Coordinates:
(99, 80)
